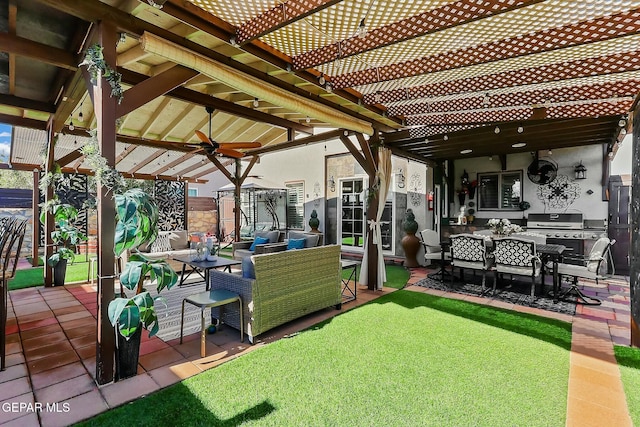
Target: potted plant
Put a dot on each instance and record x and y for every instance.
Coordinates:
(314, 222)
(137, 216)
(410, 243)
(65, 237)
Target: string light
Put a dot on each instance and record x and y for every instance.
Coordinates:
(308, 119)
(362, 29)
(321, 79)
(520, 129)
(497, 130)
(71, 126)
(256, 103)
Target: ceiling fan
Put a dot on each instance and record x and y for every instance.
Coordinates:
(226, 149)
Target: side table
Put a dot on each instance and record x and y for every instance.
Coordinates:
(347, 293)
(216, 298)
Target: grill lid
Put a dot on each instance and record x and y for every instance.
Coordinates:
(572, 221)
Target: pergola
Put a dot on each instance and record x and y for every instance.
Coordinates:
(433, 80)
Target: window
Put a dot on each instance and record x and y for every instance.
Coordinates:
(499, 190)
(193, 192)
(295, 205)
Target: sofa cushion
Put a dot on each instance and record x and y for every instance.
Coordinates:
(161, 244)
(178, 240)
(296, 244)
(311, 240)
(271, 235)
(258, 241)
(248, 270)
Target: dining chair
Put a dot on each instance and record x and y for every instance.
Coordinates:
(470, 251)
(516, 256)
(588, 267)
(10, 250)
(430, 240)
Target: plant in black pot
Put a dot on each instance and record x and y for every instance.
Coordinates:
(137, 217)
(66, 236)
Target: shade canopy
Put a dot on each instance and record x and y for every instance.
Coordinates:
(254, 183)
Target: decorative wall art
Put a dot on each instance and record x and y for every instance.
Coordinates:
(415, 189)
(72, 189)
(560, 193)
(170, 197)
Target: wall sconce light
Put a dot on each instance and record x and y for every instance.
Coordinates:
(581, 171)
(400, 178)
(332, 184)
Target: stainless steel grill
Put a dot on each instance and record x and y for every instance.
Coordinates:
(565, 226)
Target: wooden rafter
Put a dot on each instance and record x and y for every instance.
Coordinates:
(545, 40)
(153, 87)
(12, 19)
(183, 158)
(447, 16)
(154, 116)
(588, 91)
(360, 158)
(148, 160)
(175, 122)
(42, 52)
(281, 15)
(565, 70)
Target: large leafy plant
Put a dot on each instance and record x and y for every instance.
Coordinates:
(65, 235)
(137, 217)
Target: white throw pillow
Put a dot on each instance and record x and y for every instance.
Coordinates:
(162, 243)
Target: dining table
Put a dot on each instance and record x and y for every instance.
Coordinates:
(553, 253)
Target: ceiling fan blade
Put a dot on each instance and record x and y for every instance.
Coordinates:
(234, 145)
(230, 153)
(202, 137)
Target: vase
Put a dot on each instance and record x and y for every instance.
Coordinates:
(461, 198)
(411, 246)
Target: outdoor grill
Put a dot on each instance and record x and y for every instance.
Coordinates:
(569, 229)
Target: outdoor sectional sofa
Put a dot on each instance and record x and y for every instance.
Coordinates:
(169, 245)
(287, 285)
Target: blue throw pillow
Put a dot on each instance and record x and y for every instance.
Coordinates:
(258, 241)
(296, 244)
(248, 269)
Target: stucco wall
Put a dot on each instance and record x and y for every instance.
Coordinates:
(590, 205)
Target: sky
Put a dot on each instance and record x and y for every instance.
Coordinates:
(5, 142)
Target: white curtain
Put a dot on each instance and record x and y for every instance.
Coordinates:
(383, 180)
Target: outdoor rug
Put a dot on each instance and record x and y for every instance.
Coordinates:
(169, 316)
(519, 292)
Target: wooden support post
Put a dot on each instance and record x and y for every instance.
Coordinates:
(634, 247)
(105, 110)
(49, 224)
(236, 199)
(35, 208)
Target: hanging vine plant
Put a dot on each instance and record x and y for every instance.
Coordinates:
(97, 66)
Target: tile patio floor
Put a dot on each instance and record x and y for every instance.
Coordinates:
(51, 354)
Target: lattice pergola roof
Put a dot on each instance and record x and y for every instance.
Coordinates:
(438, 69)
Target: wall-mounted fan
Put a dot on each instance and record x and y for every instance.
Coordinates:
(542, 171)
(226, 149)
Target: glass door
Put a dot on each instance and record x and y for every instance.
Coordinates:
(352, 207)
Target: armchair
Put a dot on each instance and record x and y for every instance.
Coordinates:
(470, 251)
(519, 257)
(589, 268)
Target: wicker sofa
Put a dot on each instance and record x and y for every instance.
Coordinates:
(287, 285)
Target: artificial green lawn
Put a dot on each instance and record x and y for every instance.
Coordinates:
(29, 277)
(629, 362)
(405, 359)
